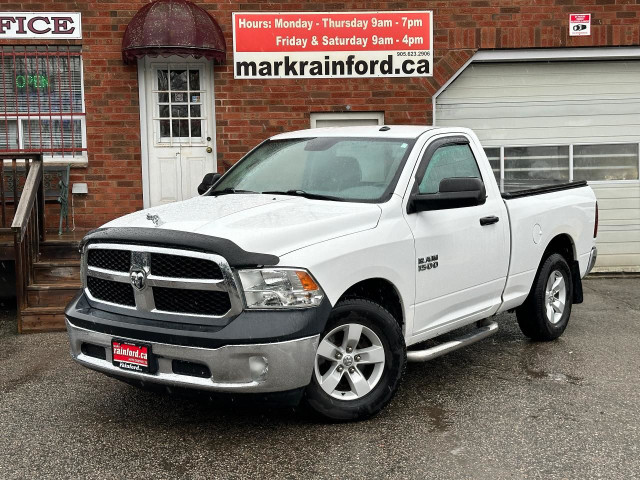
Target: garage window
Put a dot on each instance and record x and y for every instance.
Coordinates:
(605, 162)
(41, 101)
(597, 162)
(521, 163)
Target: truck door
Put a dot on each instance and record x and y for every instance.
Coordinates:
(462, 253)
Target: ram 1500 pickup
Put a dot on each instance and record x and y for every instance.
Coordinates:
(321, 262)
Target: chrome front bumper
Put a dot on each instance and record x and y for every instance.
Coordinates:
(268, 367)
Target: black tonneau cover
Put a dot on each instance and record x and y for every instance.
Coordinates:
(523, 188)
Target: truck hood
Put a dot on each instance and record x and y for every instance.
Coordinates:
(274, 224)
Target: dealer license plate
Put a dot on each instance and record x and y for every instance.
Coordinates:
(131, 356)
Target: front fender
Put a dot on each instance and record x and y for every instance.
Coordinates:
(386, 252)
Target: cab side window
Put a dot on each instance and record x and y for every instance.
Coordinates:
(448, 161)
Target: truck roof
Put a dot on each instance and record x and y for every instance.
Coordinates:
(394, 131)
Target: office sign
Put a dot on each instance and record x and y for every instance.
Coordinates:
(333, 45)
(56, 25)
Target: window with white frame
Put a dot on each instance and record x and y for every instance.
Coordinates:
(591, 162)
(346, 119)
(180, 104)
(41, 101)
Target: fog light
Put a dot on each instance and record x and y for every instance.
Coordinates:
(259, 366)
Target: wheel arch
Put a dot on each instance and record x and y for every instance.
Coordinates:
(563, 244)
(380, 291)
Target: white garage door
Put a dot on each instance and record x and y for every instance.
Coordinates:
(561, 120)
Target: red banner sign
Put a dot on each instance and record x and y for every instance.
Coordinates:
(325, 45)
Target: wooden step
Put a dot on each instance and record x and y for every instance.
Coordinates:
(41, 319)
(51, 295)
(54, 272)
(55, 251)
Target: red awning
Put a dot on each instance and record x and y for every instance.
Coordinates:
(173, 27)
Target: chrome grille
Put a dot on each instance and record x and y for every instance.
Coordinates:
(196, 286)
(112, 292)
(199, 302)
(178, 266)
(116, 260)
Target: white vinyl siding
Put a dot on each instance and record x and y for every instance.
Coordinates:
(589, 110)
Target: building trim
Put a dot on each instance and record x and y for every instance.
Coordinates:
(144, 147)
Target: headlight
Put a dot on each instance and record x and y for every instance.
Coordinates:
(280, 288)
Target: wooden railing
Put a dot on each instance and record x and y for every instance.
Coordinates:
(28, 224)
(8, 193)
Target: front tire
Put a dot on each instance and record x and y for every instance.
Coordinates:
(360, 360)
(544, 315)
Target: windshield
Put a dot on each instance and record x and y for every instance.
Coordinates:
(338, 168)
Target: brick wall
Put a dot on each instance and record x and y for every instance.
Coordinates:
(250, 110)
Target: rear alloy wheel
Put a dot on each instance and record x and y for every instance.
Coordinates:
(359, 362)
(555, 297)
(545, 313)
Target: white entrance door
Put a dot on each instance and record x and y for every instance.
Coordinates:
(179, 124)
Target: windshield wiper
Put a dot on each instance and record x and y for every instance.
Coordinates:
(302, 193)
(229, 190)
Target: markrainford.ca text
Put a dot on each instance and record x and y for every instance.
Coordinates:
(328, 67)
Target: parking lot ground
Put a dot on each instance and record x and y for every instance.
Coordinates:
(503, 408)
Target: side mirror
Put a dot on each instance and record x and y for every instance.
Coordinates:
(208, 181)
(454, 193)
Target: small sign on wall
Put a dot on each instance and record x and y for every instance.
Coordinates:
(579, 24)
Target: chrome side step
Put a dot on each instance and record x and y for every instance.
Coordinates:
(484, 331)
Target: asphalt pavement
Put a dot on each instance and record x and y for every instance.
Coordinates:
(503, 408)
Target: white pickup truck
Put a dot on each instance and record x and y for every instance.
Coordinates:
(319, 263)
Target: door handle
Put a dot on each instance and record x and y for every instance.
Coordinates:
(489, 220)
(209, 149)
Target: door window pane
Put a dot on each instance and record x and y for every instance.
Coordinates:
(179, 97)
(178, 111)
(448, 162)
(178, 80)
(605, 162)
(194, 79)
(537, 163)
(163, 82)
(180, 128)
(165, 128)
(196, 128)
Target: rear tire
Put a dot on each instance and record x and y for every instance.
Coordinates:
(360, 360)
(545, 313)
